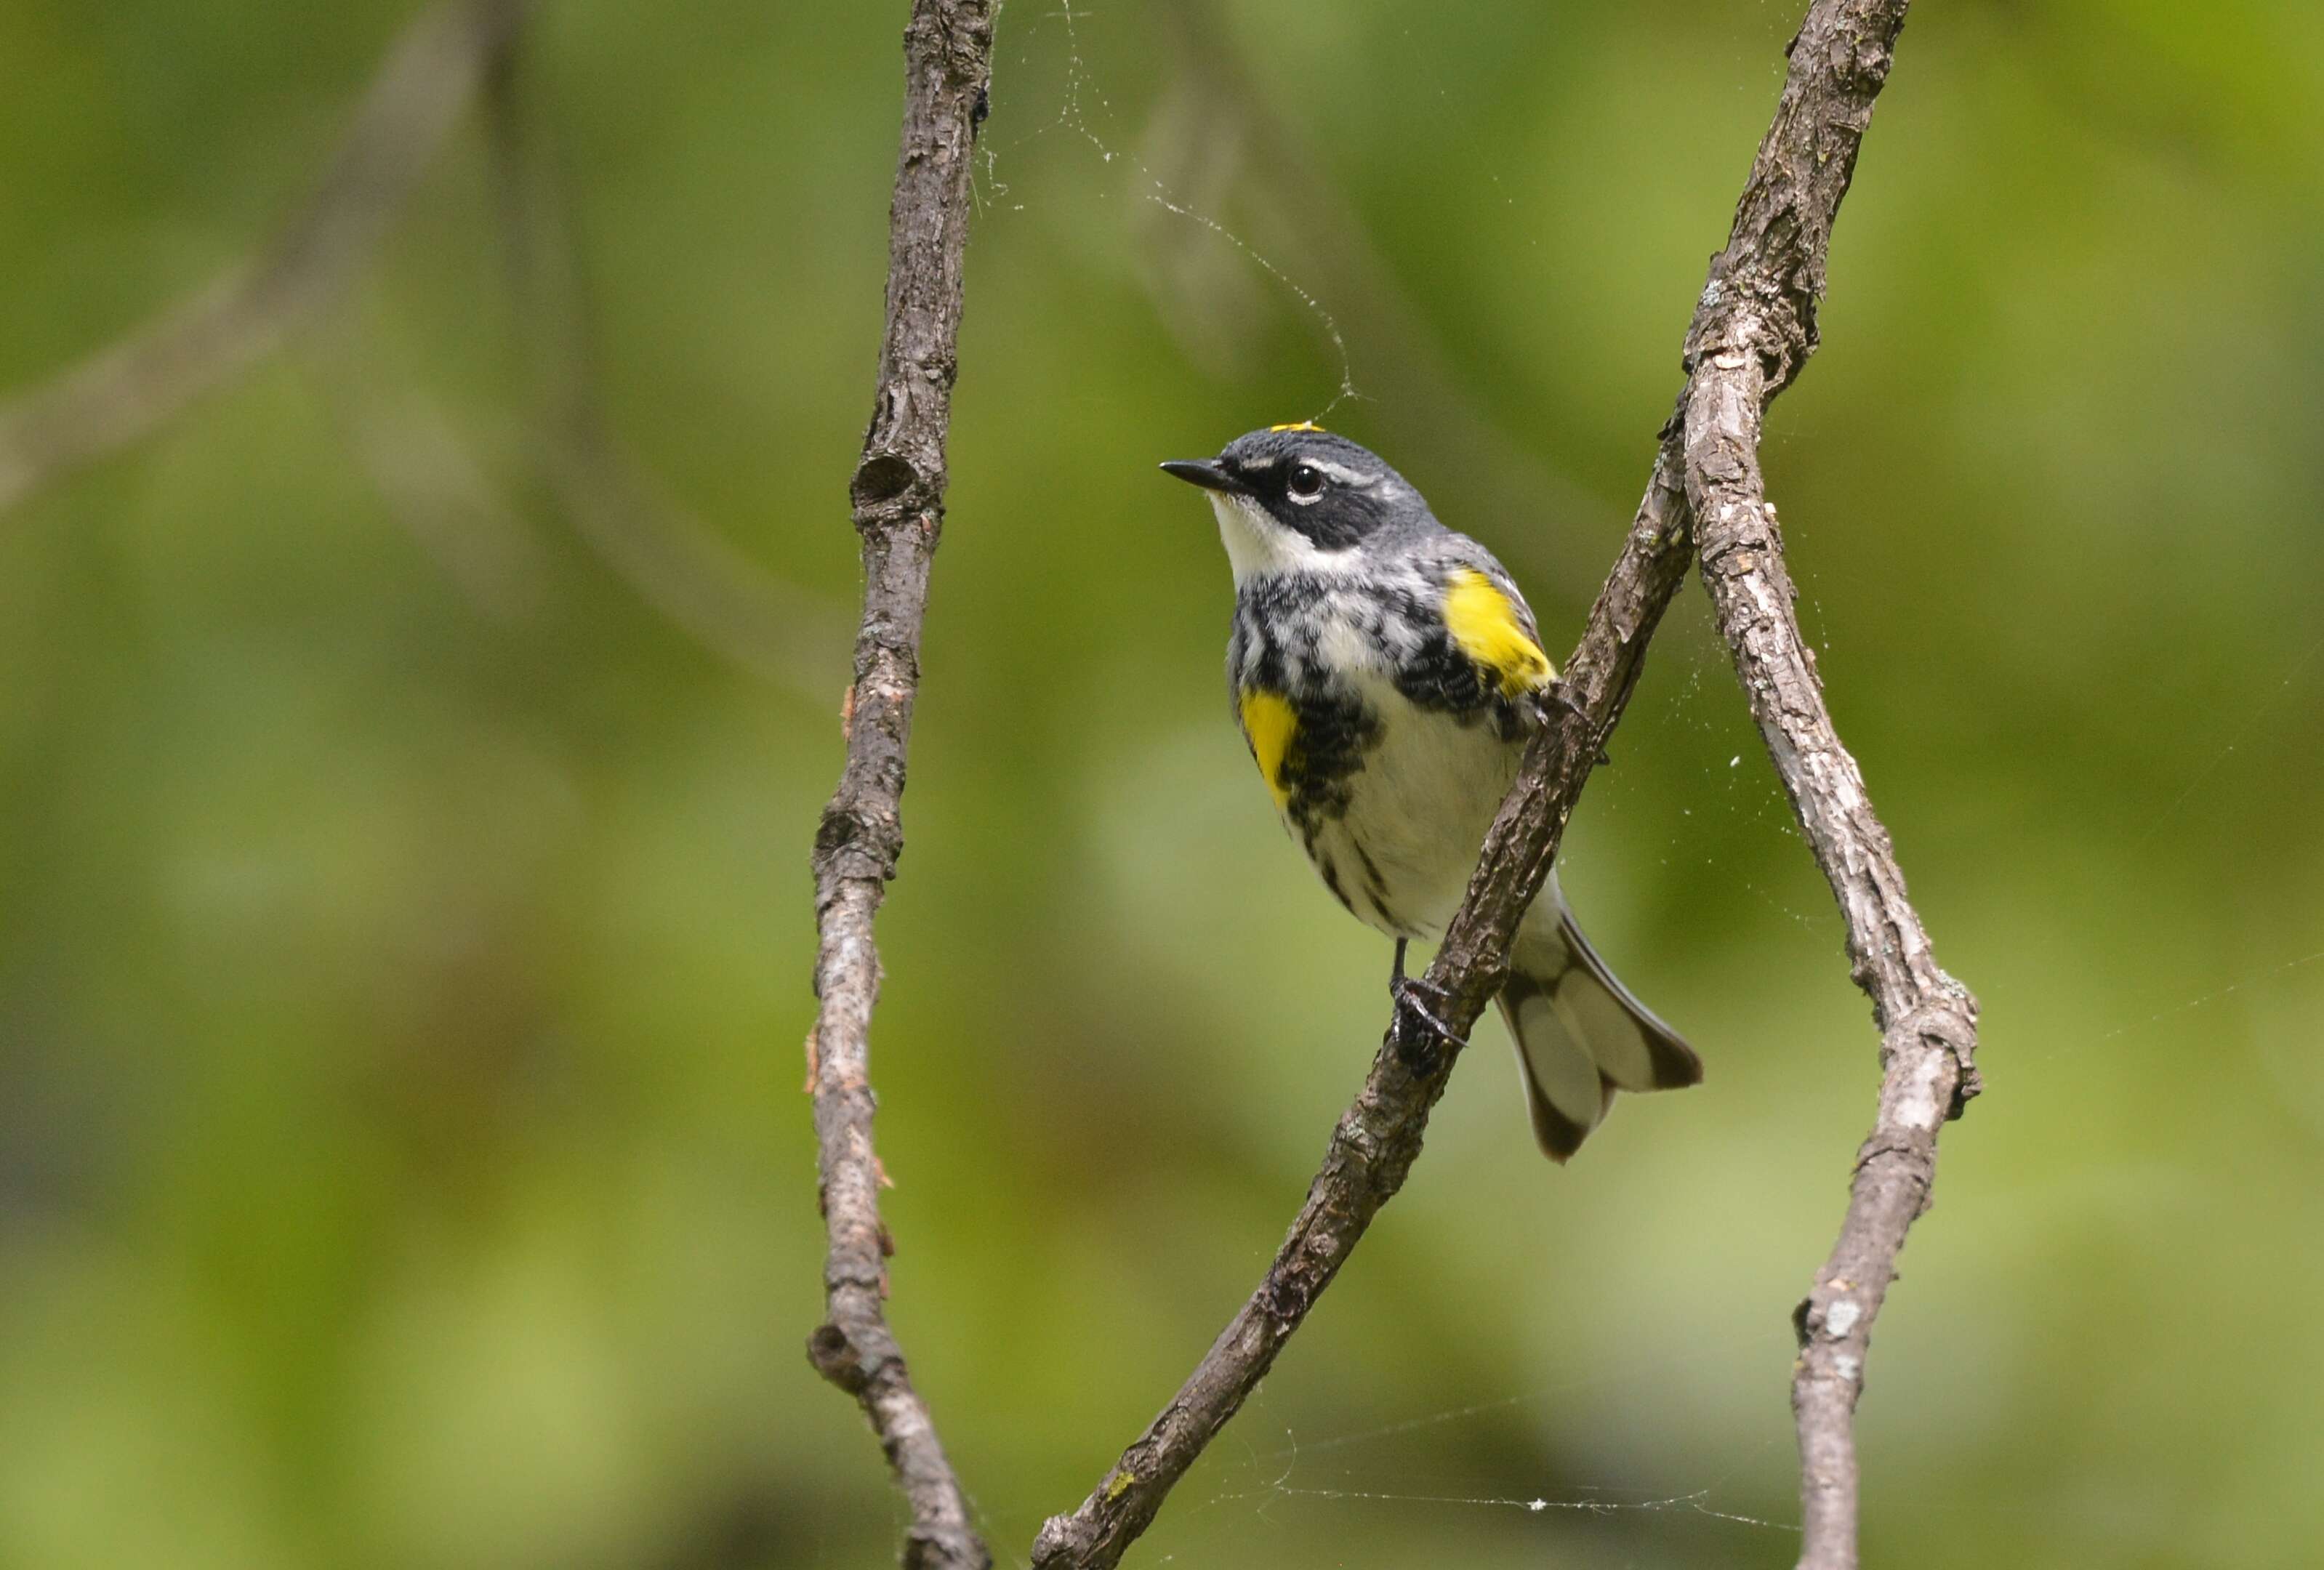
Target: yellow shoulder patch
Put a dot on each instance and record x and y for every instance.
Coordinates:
(1485, 625)
(1272, 725)
(1301, 425)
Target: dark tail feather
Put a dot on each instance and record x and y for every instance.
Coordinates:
(1581, 1036)
(1670, 1063)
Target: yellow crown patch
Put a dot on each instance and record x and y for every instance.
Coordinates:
(1303, 424)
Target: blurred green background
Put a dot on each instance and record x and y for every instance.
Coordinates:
(404, 923)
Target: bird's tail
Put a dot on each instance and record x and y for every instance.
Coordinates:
(1580, 1035)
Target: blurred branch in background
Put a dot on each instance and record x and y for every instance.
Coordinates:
(722, 598)
(898, 491)
(433, 484)
(1214, 132)
(414, 451)
(125, 392)
(1753, 328)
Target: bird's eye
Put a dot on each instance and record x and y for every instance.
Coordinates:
(1307, 484)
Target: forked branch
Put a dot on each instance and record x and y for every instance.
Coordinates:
(1928, 1020)
(1753, 328)
(1757, 327)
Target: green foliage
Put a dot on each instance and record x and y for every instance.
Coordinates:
(402, 1160)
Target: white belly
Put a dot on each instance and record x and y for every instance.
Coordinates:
(1402, 854)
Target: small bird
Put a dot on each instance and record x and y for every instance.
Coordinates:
(1386, 673)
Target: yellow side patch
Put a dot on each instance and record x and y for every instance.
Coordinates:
(1272, 725)
(1485, 625)
(1302, 425)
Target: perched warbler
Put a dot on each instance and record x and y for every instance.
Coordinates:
(1386, 673)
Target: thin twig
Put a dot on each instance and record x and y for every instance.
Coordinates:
(1777, 248)
(126, 391)
(898, 491)
(1742, 351)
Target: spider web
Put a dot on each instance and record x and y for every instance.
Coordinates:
(1087, 115)
(1698, 726)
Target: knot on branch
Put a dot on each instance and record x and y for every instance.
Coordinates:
(956, 37)
(1860, 65)
(1287, 1297)
(1948, 1022)
(835, 1358)
(1828, 1312)
(1771, 319)
(851, 841)
(1906, 1151)
(887, 487)
(1058, 1542)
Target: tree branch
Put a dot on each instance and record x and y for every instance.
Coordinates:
(1747, 345)
(126, 391)
(898, 491)
(1753, 328)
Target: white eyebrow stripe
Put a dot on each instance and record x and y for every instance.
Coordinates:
(1341, 472)
(1255, 464)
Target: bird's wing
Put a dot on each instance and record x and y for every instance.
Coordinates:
(1489, 623)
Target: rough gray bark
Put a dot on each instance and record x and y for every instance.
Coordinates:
(1757, 328)
(1753, 328)
(898, 491)
(1928, 1020)
(127, 390)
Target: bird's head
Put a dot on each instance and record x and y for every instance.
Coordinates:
(1296, 496)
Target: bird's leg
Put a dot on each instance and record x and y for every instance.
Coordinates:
(1420, 1050)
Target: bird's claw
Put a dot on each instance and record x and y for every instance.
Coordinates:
(1557, 696)
(1421, 1049)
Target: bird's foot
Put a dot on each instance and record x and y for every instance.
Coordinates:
(1557, 696)
(1421, 1036)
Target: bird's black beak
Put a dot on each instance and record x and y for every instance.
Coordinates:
(1207, 473)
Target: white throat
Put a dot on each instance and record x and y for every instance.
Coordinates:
(1257, 545)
